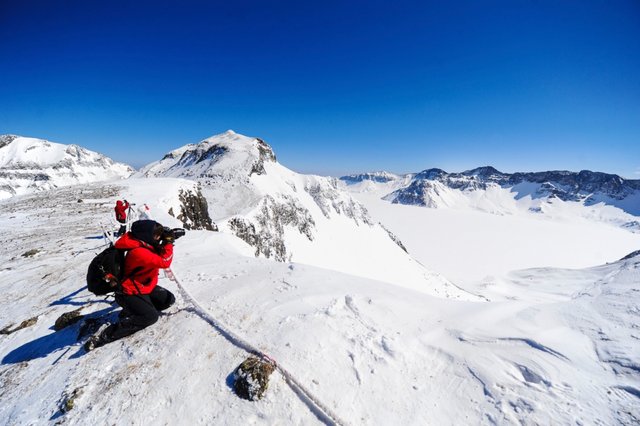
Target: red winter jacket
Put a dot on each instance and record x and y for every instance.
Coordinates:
(141, 255)
(121, 210)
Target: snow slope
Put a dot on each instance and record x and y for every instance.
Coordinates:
(28, 165)
(553, 346)
(292, 217)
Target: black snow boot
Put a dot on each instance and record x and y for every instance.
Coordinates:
(97, 340)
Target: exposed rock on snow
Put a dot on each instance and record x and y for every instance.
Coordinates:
(554, 346)
(567, 186)
(265, 155)
(67, 319)
(194, 211)
(214, 160)
(24, 324)
(28, 165)
(327, 196)
(272, 218)
(395, 238)
(631, 255)
(251, 378)
(382, 177)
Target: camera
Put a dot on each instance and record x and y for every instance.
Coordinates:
(172, 234)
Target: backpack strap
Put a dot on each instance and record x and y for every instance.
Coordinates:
(130, 277)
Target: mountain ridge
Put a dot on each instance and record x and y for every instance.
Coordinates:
(427, 188)
(30, 164)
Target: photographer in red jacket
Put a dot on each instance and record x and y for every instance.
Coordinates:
(121, 215)
(150, 248)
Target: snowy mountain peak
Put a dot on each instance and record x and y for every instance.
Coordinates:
(221, 154)
(430, 174)
(484, 172)
(29, 164)
(7, 139)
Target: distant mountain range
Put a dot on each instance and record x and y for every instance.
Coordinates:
(28, 165)
(436, 188)
(241, 175)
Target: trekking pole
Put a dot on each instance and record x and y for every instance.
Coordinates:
(128, 224)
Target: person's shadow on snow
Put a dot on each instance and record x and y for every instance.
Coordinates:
(72, 299)
(57, 341)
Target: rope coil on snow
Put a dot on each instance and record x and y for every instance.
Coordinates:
(319, 409)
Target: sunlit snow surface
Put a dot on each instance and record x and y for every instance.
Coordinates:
(554, 346)
(470, 235)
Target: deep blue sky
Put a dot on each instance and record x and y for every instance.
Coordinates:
(335, 87)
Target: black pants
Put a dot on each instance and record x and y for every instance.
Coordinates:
(123, 227)
(142, 312)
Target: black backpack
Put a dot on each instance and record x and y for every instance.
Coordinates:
(105, 268)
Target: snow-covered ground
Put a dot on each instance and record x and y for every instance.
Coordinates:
(552, 346)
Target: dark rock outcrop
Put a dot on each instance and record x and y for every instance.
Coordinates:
(394, 238)
(251, 378)
(194, 211)
(67, 319)
(265, 155)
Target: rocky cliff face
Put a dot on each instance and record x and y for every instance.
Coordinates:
(330, 199)
(266, 233)
(28, 165)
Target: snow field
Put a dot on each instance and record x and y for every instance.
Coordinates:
(466, 246)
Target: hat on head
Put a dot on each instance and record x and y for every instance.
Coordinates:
(143, 230)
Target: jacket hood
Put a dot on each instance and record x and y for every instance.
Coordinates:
(143, 230)
(119, 203)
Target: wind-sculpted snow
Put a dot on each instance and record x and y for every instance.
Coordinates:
(28, 165)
